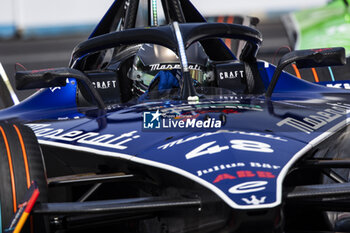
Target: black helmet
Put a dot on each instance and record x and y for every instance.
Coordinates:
(151, 59)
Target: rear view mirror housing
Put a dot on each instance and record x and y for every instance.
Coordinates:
(34, 79)
(315, 58)
(55, 77)
(308, 59)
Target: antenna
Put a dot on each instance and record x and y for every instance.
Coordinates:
(154, 12)
(187, 90)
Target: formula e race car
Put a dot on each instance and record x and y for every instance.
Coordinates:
(156, 126)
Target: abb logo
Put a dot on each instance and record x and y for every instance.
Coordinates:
(244, 174)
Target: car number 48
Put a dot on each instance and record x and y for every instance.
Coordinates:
(246, 145)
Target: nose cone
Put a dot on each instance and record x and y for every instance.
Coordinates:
(245, 169)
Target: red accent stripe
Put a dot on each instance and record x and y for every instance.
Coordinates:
(32, 201)
(12, 176)
(25, 158)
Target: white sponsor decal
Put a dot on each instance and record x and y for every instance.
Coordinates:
(248, 187)
(251, 146)
(254, 200)
(231, 74)
(339, 85)
(180, 141)
(205, 149)
(53, 89)
(219, 168)
(313, 122)
(89, 138)
(245, 145)
(222, 167)
(225, 97)
(264, 165)
(104, 84)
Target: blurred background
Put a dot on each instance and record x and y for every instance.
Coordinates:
(42, 33)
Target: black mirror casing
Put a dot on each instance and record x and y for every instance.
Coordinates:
(311, 58)
(308, 59)
(33, 79)
(55, 77)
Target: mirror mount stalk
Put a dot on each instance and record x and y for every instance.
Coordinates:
(187, 89)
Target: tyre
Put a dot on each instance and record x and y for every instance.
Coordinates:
(21, 163)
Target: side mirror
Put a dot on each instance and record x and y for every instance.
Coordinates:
(308, 59)
(33, 79)
(55, 77)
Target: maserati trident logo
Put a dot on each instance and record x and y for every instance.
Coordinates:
(254, 200)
